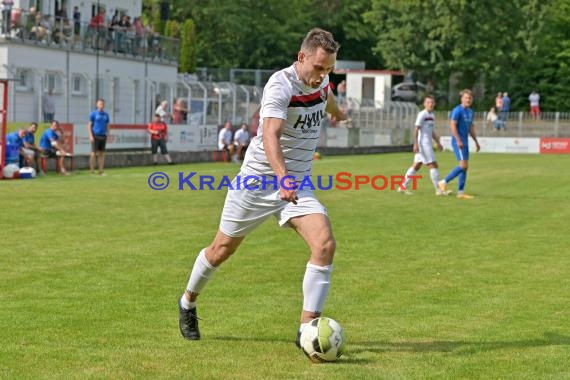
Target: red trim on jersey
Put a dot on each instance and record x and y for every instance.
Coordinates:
(310, 97)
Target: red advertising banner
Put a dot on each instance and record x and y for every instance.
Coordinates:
(554, 146)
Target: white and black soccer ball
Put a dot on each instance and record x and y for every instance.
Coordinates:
(322, 340)
(11, 171)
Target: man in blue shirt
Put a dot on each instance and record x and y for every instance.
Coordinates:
(461, 128)
(506, 109)
(52, 148)
(14, 146)
(98, 131)
(31, 150)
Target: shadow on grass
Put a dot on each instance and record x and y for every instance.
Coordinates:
(353, 349)
(457, 347)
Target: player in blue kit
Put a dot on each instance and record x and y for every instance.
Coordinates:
(98, 128)
(50, 145)
(461, 128)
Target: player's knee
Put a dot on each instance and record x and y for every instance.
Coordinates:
(324, 253)
(464, 165)
(219, 252)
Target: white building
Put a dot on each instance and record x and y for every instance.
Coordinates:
(131, 69)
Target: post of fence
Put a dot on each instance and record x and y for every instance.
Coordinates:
(556, 124)
(520, 123)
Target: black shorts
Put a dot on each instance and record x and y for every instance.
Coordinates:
(50, 153)
(154, 144)
(99, 143)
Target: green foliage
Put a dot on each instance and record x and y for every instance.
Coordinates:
(158, 24)
(500, 46)
(513, 46)
(188, 48)
(168, 28)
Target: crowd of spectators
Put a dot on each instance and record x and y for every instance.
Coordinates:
(121, 33)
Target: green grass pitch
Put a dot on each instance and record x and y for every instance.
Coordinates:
(425, 287)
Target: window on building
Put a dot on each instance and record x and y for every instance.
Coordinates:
(24, 79)
(51, 80)
(77, 84)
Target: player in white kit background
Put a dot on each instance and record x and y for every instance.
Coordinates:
(294, 103)
(423, 147)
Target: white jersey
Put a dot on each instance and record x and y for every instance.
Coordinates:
(426, 122)
(302, 107)
(241, 137)
(224, 138)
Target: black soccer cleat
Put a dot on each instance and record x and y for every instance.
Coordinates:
(188, 322)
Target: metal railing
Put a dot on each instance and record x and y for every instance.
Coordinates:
(515, 124)
(63, 33)
(217, 102)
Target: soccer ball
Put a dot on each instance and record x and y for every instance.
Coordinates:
(316, 156)
(322, 340)
(11, 171)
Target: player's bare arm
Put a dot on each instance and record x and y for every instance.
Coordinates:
(272, 129)
(332, 108)
(90, 129)
(435, 138)
(474, 137)
(416, 147)
(456, 134)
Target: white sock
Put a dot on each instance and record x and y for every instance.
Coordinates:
(316, 284)
(186, 304)
(434, 174)
(410, 172)
(201, 273)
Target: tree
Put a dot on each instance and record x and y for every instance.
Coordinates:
(187, 48)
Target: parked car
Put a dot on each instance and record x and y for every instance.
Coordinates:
(415, 92)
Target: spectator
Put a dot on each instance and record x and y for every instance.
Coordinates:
(180, 111)
(76, 25)
(341, 92)
(48, 106)
(15, 146)
(158, 137)
(6, 15)
(162, 111)
(499, 102)
(494, 118)
(506, 108)
(51, 147)
(241, 142)
(140, 42)
(225, 139)
(31, 150)
(534, 99)
(97, 29)
(98, 128)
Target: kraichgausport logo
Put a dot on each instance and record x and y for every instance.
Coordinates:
(340, 181)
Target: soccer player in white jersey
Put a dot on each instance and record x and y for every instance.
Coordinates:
(423, 148)
(293, 106)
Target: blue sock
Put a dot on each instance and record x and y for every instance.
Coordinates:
(462, 180)
(452, 174)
